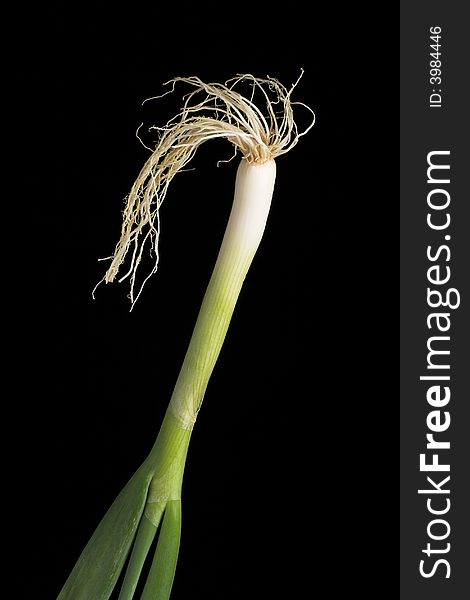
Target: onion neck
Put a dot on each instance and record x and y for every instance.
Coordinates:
(252, 200)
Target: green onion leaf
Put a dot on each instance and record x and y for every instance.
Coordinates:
(162, 571)
(100, 564)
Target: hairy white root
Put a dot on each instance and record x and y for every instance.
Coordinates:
(222, 112)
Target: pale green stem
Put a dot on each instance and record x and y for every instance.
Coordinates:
(253, 192)
(252, 199)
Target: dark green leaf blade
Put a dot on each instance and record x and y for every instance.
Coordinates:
(96, 571)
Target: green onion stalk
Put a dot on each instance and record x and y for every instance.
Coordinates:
(151, 500)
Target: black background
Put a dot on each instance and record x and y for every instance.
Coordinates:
(289, 481)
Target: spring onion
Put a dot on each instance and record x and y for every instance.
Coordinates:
(152, 498)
